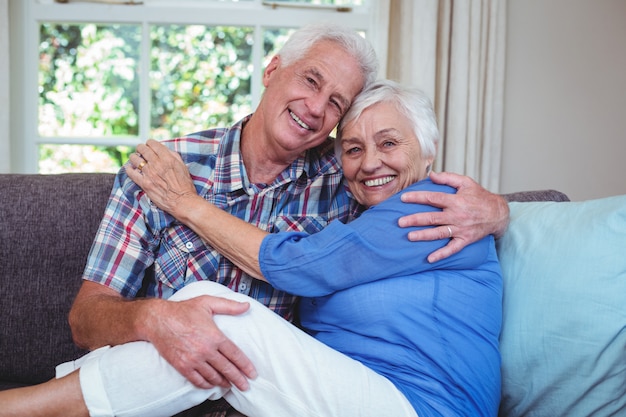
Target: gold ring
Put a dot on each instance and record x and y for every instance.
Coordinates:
(450, 232)
(141, 165)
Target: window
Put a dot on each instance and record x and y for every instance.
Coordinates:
(106, 77)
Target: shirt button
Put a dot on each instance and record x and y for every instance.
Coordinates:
(245, 284)
(189, 245)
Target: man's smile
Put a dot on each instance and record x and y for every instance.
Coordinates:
(299, 121)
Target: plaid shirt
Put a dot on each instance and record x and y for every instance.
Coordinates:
(134, 234)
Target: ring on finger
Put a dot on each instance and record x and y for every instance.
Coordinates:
(141, 165)
(449, 232)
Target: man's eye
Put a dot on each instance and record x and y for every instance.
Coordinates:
(352, 150)
(337, 105)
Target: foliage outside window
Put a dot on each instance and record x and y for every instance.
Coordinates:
(199, 77)
(91, 80)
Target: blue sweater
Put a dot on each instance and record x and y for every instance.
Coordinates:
(431, 329)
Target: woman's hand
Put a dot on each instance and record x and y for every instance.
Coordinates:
(163, 175)
(466, 217)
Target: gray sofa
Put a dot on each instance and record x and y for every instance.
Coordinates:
(47, 224)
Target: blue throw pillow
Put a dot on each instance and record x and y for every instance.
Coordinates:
(563, 338)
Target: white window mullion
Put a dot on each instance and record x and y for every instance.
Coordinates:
(145, 102)
(257, 62)
(30, 151)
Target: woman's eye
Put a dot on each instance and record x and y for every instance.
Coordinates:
(353, 150)
(388, 144)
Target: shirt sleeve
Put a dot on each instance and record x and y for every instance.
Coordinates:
(123, 247)
(370, 248)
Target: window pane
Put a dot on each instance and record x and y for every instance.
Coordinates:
(200, 77)
(56, 159)
(88, 84)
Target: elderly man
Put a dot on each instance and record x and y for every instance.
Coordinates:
(274, 169)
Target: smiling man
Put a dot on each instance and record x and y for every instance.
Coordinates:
(275, 169)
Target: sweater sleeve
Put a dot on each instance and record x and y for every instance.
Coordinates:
(370, 248)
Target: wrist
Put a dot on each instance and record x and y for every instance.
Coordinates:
(186, 207)
(503, 216)
(146, 318)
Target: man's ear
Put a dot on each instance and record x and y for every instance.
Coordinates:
(271, 67)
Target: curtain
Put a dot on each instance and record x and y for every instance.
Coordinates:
(4, 87)
(455, 52)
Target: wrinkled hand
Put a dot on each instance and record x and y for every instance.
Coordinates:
(162, 174)
(466, 217)
(186, 335)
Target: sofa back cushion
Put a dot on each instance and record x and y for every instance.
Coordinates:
(563, 339)
(47, 224)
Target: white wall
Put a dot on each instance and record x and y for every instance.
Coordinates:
(565, 97)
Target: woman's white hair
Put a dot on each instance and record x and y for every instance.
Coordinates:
(354, 44)
(410, 103)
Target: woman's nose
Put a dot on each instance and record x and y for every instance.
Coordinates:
(371, 161)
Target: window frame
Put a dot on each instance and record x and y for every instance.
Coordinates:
(371, 18)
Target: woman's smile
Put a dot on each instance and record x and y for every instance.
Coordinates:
(377, 182)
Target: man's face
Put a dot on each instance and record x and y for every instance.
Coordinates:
(303, 102)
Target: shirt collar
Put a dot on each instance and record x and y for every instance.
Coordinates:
(229, 170)
(230, 173)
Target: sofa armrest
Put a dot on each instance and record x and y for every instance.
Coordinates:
(539, 195)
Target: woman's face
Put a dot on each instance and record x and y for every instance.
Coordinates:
(381, 154)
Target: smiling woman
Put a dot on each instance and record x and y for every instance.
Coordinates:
(381, 157)
(382, 153)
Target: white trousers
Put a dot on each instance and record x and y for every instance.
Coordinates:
(297, 375)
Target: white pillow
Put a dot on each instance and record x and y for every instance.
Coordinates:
(563, 338)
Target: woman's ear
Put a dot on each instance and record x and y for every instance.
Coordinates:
(429, 166)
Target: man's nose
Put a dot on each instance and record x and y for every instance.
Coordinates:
(316, 104)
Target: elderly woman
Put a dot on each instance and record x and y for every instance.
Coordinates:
(387, 332)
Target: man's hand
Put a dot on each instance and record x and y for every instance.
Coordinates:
(468, 216)
(162, 174)
(183, 332)
(185, 335)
